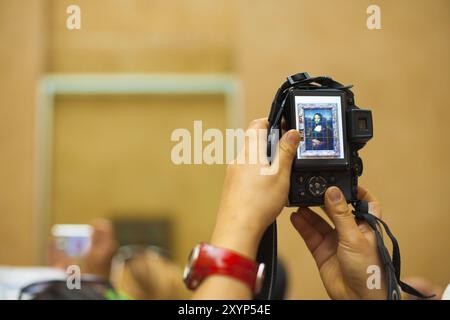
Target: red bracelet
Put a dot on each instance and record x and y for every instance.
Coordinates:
(206, 260)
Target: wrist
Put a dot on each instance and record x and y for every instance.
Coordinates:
(210, 264)
(242, 239)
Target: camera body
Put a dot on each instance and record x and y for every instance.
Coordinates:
(332, 130)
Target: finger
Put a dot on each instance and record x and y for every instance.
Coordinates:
(339, 212)
(287, 148)
(102, 230)
(374, 208)
(283, 125)
(364, 227)
(315, 221)
(374, 205)
(262, 144)
(364, 194)
(310, 235)
(260, 123)
(252, 137)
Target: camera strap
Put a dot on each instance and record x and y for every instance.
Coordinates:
(391, 265)
(267, 251)
(267, 254)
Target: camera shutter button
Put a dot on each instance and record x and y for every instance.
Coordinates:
(317, 186)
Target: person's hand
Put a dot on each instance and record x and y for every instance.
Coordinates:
(103, 247)
(97, 261)
(58, 258)
(251, 201)
(342, 254)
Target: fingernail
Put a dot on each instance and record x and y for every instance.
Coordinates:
(334, 194)
(293, 137)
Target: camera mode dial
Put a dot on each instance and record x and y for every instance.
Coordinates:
(317, 186)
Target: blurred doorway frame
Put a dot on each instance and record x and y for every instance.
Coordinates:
(51, 85)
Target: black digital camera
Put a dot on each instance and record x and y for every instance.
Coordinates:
(332, 130)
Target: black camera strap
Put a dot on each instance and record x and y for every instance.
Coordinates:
(391, 265)
(267, 254)
(267, 251)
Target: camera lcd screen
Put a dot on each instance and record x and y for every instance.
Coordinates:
(319, 121)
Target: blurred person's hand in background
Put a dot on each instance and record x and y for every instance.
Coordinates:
(103, 247)
(143, 273)
(97, 260)
(58, 258)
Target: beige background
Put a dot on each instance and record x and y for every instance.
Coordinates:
(401, 72)
(21, 62)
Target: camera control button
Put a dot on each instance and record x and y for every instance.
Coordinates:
(317, 186)
(358, 167)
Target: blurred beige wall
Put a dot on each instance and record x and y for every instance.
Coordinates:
(142, 36)
(21, 62)
(406, 164)
(112, 159)
(135, 37)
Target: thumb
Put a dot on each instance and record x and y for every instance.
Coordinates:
(287, 149)
(339, 212)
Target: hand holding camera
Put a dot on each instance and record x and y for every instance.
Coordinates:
(318, 165)
(252, 201)
(343, 254)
